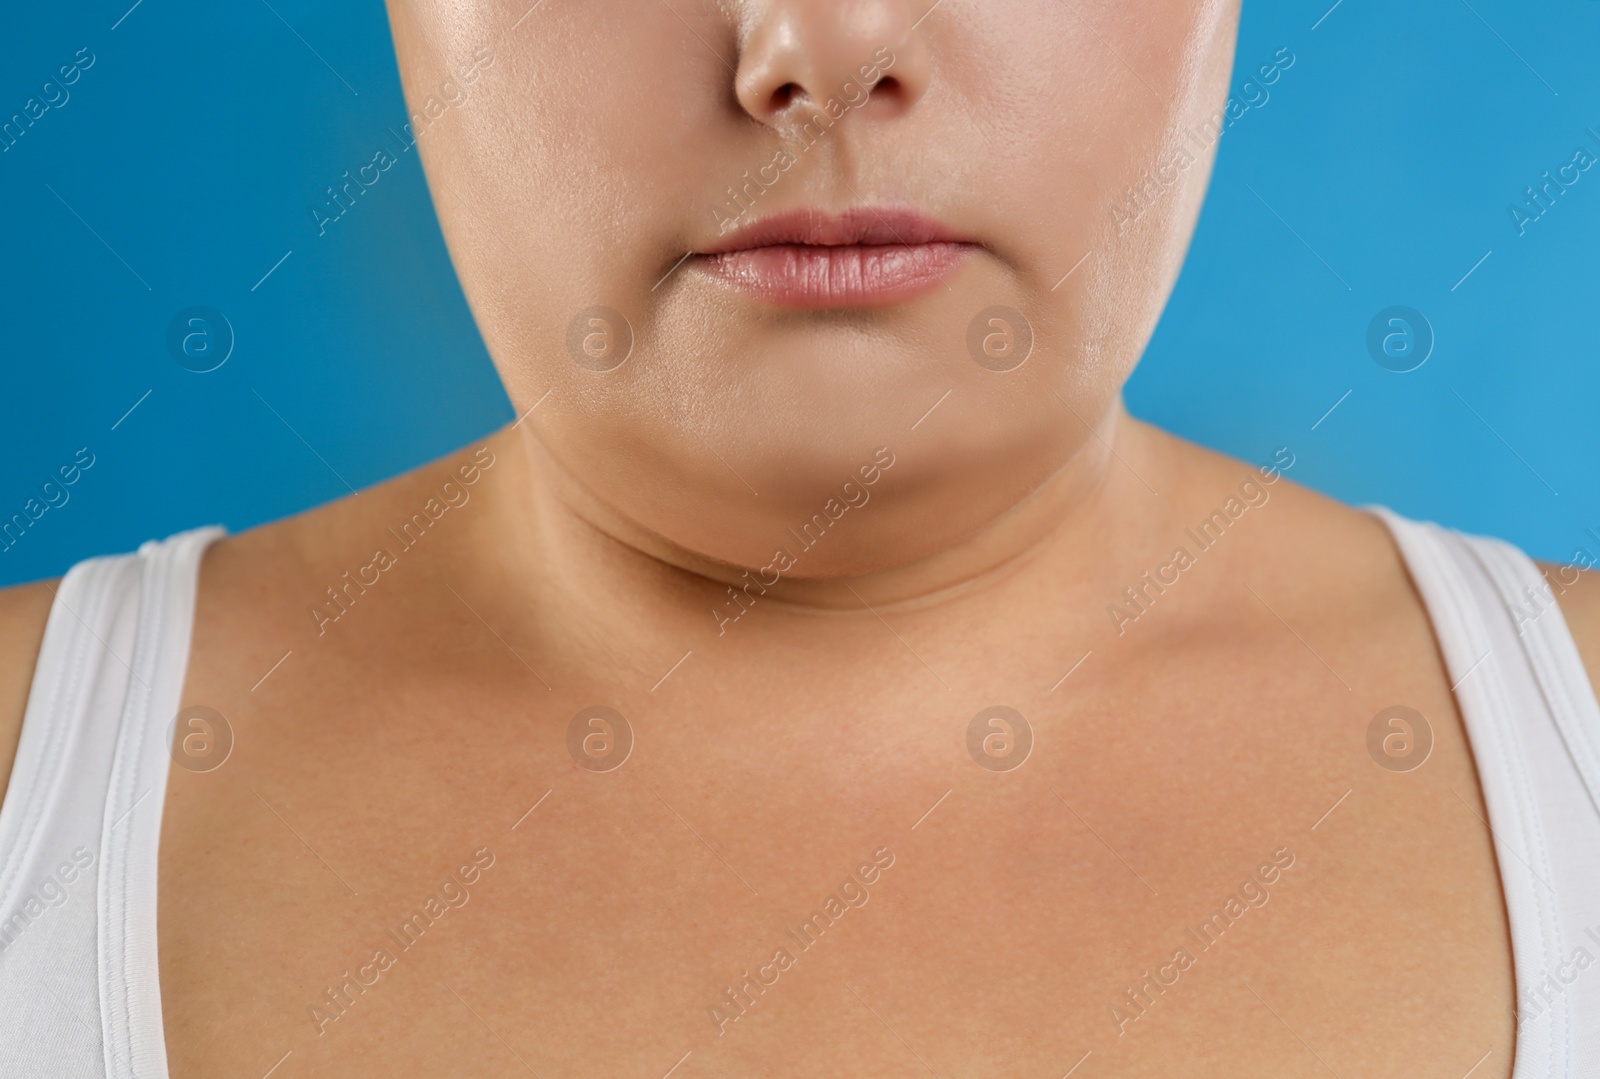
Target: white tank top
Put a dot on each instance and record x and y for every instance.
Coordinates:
(79, 988)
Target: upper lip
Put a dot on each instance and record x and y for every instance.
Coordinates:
(864, 225)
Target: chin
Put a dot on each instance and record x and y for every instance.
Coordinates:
(841, 512)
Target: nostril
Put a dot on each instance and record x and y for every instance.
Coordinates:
(784, 94)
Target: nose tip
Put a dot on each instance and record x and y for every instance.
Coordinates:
(806, 53)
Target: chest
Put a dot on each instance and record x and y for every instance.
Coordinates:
(819, 881)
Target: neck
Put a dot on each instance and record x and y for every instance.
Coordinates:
(585, 559)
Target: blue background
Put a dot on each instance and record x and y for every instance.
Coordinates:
(187, 160)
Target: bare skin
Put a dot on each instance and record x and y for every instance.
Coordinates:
(410, 734)
(827, 726)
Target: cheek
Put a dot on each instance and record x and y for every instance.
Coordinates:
(573, 159)
(1072, 117)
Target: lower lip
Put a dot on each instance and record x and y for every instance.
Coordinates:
(857, 275)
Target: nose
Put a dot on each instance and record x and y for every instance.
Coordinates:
(800, 55)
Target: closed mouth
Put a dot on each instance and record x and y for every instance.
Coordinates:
(864, 257)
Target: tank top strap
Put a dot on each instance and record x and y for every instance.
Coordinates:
(81, 821)
(1532, 718)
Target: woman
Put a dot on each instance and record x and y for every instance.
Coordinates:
(823, 675)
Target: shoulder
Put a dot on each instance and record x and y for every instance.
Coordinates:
(1279, 536)
(1344, 565)
(24, 610)
(246, 569)
(1578, 594)
(282, 586)
(1274, 561)
(256, 586)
